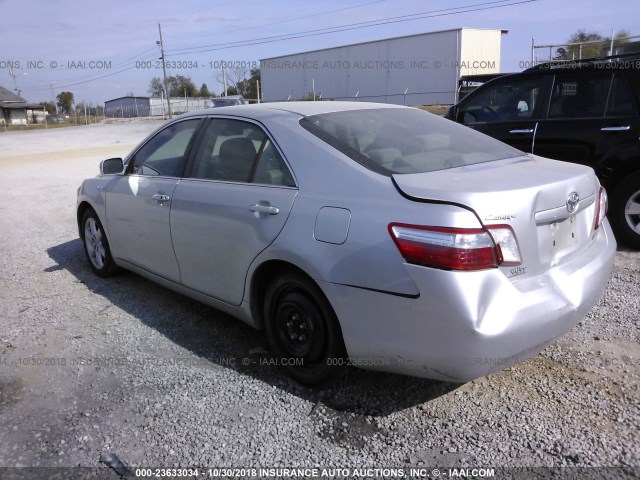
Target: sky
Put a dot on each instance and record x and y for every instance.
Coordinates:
(100, 50)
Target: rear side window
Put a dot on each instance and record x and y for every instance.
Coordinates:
(621, 100)
(579, 95)
(238, 151)
(404, 140)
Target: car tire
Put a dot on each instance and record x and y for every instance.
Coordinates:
(625, 202)
(303, 330)
(96, 245)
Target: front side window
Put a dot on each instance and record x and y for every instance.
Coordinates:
(508, 100)
(165, 154)
(579, 95)
(238, 151)
(404, 140)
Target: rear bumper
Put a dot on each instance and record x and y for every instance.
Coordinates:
(468, 324)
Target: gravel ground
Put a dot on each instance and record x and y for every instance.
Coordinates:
(91, 366)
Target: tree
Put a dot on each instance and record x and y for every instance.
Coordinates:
(50, 107)
(204, 91)
(583, 44)
(156, 88)
(248, 88)
(233, 78)
(577, 49)
(622, 44)
(65, 101)
(180, 86)
(80, 108)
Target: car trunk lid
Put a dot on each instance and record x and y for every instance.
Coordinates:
(535, 196)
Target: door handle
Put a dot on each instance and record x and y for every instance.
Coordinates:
(161, 198)
(622, 128)
(265, 209)
(523, 130)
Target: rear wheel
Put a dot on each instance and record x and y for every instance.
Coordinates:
(625, 211)
(96, 245)
(302, 330)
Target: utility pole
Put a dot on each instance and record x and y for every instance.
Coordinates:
(55, 101)
(224, 79)
(164, 71)
(15, 84)
(611, 47)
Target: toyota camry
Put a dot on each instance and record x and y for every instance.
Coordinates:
(357, 233)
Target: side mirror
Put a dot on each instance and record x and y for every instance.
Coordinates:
(111, 166)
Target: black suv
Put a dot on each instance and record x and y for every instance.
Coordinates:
(581, 112)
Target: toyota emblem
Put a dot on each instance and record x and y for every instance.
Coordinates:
(573, 200)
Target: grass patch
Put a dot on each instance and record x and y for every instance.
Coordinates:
(435, 109)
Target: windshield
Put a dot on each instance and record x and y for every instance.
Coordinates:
(404, 140)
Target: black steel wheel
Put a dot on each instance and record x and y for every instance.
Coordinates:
(302, 330)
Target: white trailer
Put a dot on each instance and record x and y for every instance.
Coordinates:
(421, 69)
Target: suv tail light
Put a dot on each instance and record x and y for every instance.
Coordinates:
(601, 208)
(456, 248)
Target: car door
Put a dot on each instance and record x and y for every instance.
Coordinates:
(572, 129)
(592, 120)
(233, 202)
(138, 203)
(507, 109)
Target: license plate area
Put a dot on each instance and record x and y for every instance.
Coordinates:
(563, 236)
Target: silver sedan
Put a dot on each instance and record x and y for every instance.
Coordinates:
(352, 233)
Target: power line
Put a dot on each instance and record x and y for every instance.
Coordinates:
(293, 19)
(137, 57)
(308, 33)
(89, 80)
(353, 26)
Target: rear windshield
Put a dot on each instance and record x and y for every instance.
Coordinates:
(405, 140)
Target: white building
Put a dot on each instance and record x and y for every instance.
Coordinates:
(422, 69)
(15, 110)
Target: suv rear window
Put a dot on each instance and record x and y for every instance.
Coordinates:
(404, 140)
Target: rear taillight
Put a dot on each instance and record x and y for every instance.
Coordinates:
(456, 248)
(601, 208)
(507, 243)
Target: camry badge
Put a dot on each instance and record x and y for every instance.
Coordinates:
(506, 216)
(573, 200)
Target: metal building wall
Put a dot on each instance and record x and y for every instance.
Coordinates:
(480, 52)
(127, 107)
(414, 70)
(157, 107)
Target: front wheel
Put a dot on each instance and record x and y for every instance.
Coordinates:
(96, 245)
(302, 330)
(625, 211)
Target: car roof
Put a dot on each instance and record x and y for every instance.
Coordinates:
(302, 108)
